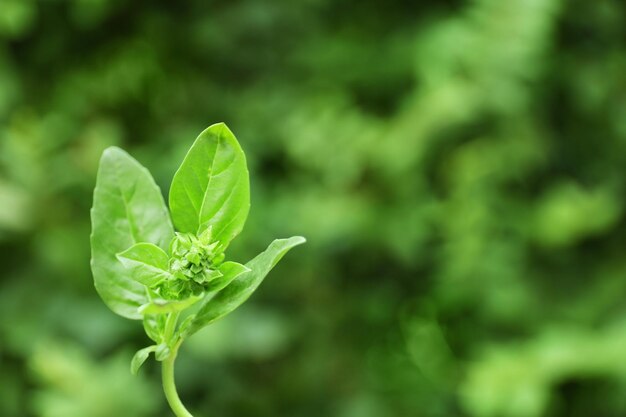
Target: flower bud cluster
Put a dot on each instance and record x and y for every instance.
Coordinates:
(193, 264)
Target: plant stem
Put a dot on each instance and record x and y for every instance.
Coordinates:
(167, 370)
(169, 387)
(170, 326)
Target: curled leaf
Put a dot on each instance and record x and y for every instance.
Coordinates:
(154, 326)
(140, 357)
(162, 352)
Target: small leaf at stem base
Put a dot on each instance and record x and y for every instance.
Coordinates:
(140, 357)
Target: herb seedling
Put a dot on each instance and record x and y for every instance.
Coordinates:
(176, 282)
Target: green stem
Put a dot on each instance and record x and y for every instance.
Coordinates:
(169, 387)
(167, 371)
(170, 326)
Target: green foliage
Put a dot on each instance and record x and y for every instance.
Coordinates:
(128, 209)
(211, 190)
(210, 197)
(140, 357)
(242, 285)
(196, 262)
(457, 167)
(148, 264)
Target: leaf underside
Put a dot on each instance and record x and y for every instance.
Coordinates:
(128, 208)
(140, 357)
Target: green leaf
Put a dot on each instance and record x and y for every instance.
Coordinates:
(128, 208)
(162, 352)
(140, 357)
(230, 271)
(182, 329)
(154, 326)
(243, 286)
(211, 188)
(160, 306)
(147, 263)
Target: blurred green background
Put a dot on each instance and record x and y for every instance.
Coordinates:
(458, 167)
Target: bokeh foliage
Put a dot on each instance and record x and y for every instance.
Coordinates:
(458, 168)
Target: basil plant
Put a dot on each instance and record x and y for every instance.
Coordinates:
(168, 268)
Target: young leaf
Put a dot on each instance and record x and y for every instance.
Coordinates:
(211, 188)
(230, 271)
(162, 352)
(160, 306)
(128, 208)
(182, 329)
(244, 285)
(140, 357)
(154, 326)
(147, 263)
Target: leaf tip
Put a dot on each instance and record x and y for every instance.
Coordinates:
(222, 130)
(216, 128)
(113, 151)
